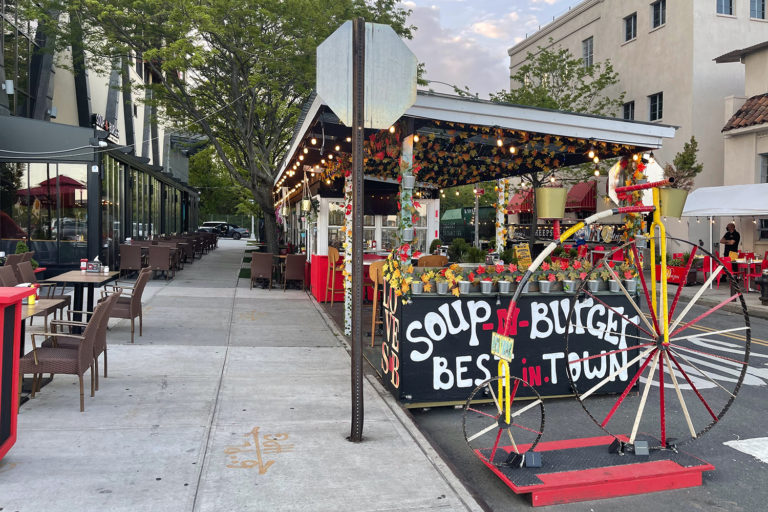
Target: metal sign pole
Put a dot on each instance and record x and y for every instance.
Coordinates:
(358, 92)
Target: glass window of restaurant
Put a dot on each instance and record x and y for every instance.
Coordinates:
(112, 209)
(46, 204)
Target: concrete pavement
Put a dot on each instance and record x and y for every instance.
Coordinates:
(233, 399)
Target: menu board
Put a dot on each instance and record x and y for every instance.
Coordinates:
(523, 255)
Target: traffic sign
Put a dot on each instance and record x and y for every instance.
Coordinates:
(390, 75)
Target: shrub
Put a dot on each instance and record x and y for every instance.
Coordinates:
(474, 255)
(22, 247)
(436, 243)
(508, 255)
(456, 250)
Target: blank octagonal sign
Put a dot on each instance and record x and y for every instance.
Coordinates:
(390, 75)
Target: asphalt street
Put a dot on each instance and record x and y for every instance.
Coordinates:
(737, 484)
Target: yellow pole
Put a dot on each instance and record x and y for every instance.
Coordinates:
(664, 316)
(505, 392)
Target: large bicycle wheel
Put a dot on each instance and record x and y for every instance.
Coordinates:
(673, 391)
(485, 428)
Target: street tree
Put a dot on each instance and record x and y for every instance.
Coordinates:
(236, 71)
(552, 77)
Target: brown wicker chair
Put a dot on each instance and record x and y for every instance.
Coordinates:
(99, 343)
(128, 306)
(12, 259)
(47, 290)
(8, 276)
(130, 258)
(27, 256)
(64, 360)
(294, 269)
(261, 267)
(160, 259)
(432, 260)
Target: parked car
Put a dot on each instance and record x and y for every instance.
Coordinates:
(225, 229)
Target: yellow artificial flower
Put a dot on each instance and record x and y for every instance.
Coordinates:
(455, 291)
(427, 287)
(396, 274)
(410, 269)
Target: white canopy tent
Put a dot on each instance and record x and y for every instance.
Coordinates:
(727, 201)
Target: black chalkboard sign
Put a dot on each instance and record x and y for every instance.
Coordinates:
(437, 348)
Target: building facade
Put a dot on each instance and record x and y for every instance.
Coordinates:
(746, 136)
(84, 162)
(664, 53)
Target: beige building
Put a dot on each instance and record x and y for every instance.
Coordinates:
(746, 137)
(664, 53)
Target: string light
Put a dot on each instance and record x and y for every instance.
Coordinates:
(512, 149)
(306, 151)
(635, 157)
(330, 156)
(391, 129)
(551, 180)
(591, 153)
(499, 142)
(457, 192)
(313, 141)
(337, 147)
(415, 138)
(301, 157)
(596, 159)
(349, 139)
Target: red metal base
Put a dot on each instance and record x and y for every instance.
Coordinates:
(582, 469)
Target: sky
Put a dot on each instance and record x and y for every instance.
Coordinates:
(465, 42)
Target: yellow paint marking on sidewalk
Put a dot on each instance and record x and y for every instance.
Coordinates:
(268, 444)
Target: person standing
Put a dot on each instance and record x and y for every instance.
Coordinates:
(730, 241)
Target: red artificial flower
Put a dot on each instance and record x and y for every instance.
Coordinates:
(415, 218)
(481, 269)
(582, 275)
(576, 265)
(416, 169)
(442, 272)
(471, 277)
(563, 265)
(399, 178)
(611, 263)
(545, 266)
(628, 274)
(512, 267)
(416, 204)
(379, 155)
(417, 254)
(499, 268)
(551, 277)
(519, 278)
(404, 256)
(486, 279)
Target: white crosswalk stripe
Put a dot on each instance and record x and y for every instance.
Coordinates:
(756, 447)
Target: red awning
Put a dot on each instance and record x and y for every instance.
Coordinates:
(582, 197)
(521, 202)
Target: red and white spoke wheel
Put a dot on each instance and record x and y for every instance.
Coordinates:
(675, 391)
(486, 431)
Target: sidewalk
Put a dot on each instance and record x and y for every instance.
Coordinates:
(232, 400)
(714, 296)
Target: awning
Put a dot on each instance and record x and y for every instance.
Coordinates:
(582, 197)
(728, 201)
(521, 202)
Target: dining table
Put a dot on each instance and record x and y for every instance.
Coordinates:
(79, 280)
(748, 267)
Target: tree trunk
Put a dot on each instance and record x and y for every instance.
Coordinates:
(263, 197)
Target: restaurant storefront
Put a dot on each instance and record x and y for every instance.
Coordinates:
(49, 175)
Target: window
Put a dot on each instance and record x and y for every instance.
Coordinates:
(336, 223)
(757, 9)
(658, 13)
(764, 168)
(630, 27)
(763, 229)
(587, 47)
(725, 7)
(629, 110)
(656, 102)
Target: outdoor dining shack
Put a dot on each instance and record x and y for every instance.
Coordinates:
(432, 348)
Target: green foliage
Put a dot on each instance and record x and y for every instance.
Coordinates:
(508, 255)
(466, 196)
(22, 247)
(434, 245)
(457, 249)
(552, 77)
(474, 255)
(684, 167)
(235, 71)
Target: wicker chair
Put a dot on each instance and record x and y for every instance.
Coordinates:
(28, 276)
(12, 259)
(128, 306)
(130, 258)
(160, 259)
(261, 267)
(64, 360)
(99, 343)
(8, 276)
(294, 269)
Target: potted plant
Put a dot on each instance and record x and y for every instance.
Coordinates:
(682, 171)
(486, 285)
(593, 282)
(441, 283)
(550, 202)
(628, 273)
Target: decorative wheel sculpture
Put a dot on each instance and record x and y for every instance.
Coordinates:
(500, 414)
(681, 378)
